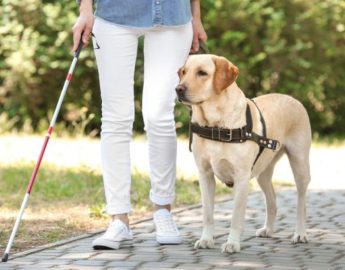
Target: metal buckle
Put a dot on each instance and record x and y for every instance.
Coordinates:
(230, 136)
(277, 146)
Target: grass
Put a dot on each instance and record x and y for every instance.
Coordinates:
(69, 202)
(329, 141)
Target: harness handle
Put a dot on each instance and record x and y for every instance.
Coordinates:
(203, 49)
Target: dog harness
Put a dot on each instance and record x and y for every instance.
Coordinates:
(239, 135)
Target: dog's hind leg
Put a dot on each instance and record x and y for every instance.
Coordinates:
(265, 182)
(299, 161)
(207, 188)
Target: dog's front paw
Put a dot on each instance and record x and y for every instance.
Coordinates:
(231, 247)
(299, 238)
(204, 243)
(264, 232)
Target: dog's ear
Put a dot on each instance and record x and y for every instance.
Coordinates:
(226, 73)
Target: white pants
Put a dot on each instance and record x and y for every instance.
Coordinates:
(165, 51)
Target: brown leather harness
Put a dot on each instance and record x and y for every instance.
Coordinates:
(239, 135)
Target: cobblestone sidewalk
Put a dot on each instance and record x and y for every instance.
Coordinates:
(326, 249)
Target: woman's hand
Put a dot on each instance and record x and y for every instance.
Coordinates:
(198, 34)
(198, 29)
(83, 24)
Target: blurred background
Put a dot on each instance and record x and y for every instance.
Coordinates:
(295, 47)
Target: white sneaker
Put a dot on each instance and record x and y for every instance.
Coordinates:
(166, 229)
(116, 236)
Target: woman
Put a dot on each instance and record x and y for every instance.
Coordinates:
(171, 28)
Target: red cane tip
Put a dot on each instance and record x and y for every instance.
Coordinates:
(69, 77)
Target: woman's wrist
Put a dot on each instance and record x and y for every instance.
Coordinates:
(198, 29)
(196, 14)
(86, 7)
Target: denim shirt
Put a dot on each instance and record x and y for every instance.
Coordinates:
(144, 13)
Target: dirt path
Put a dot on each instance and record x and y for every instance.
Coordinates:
(327, 163)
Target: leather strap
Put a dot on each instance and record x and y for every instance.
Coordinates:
(263, 123)
(238, 135)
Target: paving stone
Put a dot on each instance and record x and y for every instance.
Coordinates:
(120, 268)
(325, 250)
(155, 265)
(110, 256)
(147, 251)
(7, 266)
(177, 253)
(52, 252)
(181, 260)
(32, 267)
(79, 267)
(54, 261)
(189, 266)
(254, 265)
(150, 268)
(89, 262)
(145, 258)
(339, 267)
(320, 266)
(150, 243)
(19, 261)
(124, 264)
(76, 256)
(232, 268)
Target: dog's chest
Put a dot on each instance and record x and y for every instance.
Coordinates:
(224, 170)
(226, 161)
(222, 164)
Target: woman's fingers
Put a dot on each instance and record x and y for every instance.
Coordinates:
(195, 44)
(203, 35)
(83, 26)
(198, 34)
(86, 36)
(76, 39)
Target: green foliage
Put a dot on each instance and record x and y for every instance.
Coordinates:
(53, 185)
(34, 59)
(294, 47)
(83, 186)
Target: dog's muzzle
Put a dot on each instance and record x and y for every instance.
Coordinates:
(181, 90)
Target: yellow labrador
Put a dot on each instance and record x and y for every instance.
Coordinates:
(207, 83)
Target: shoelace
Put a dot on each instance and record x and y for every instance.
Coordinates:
(165, 224)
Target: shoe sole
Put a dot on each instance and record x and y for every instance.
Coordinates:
(104, 244)
(168, 241)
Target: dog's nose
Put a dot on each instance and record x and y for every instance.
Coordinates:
(181, 89)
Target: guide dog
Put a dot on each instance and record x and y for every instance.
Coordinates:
(208, 85)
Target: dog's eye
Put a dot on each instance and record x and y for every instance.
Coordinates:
(202, 73)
